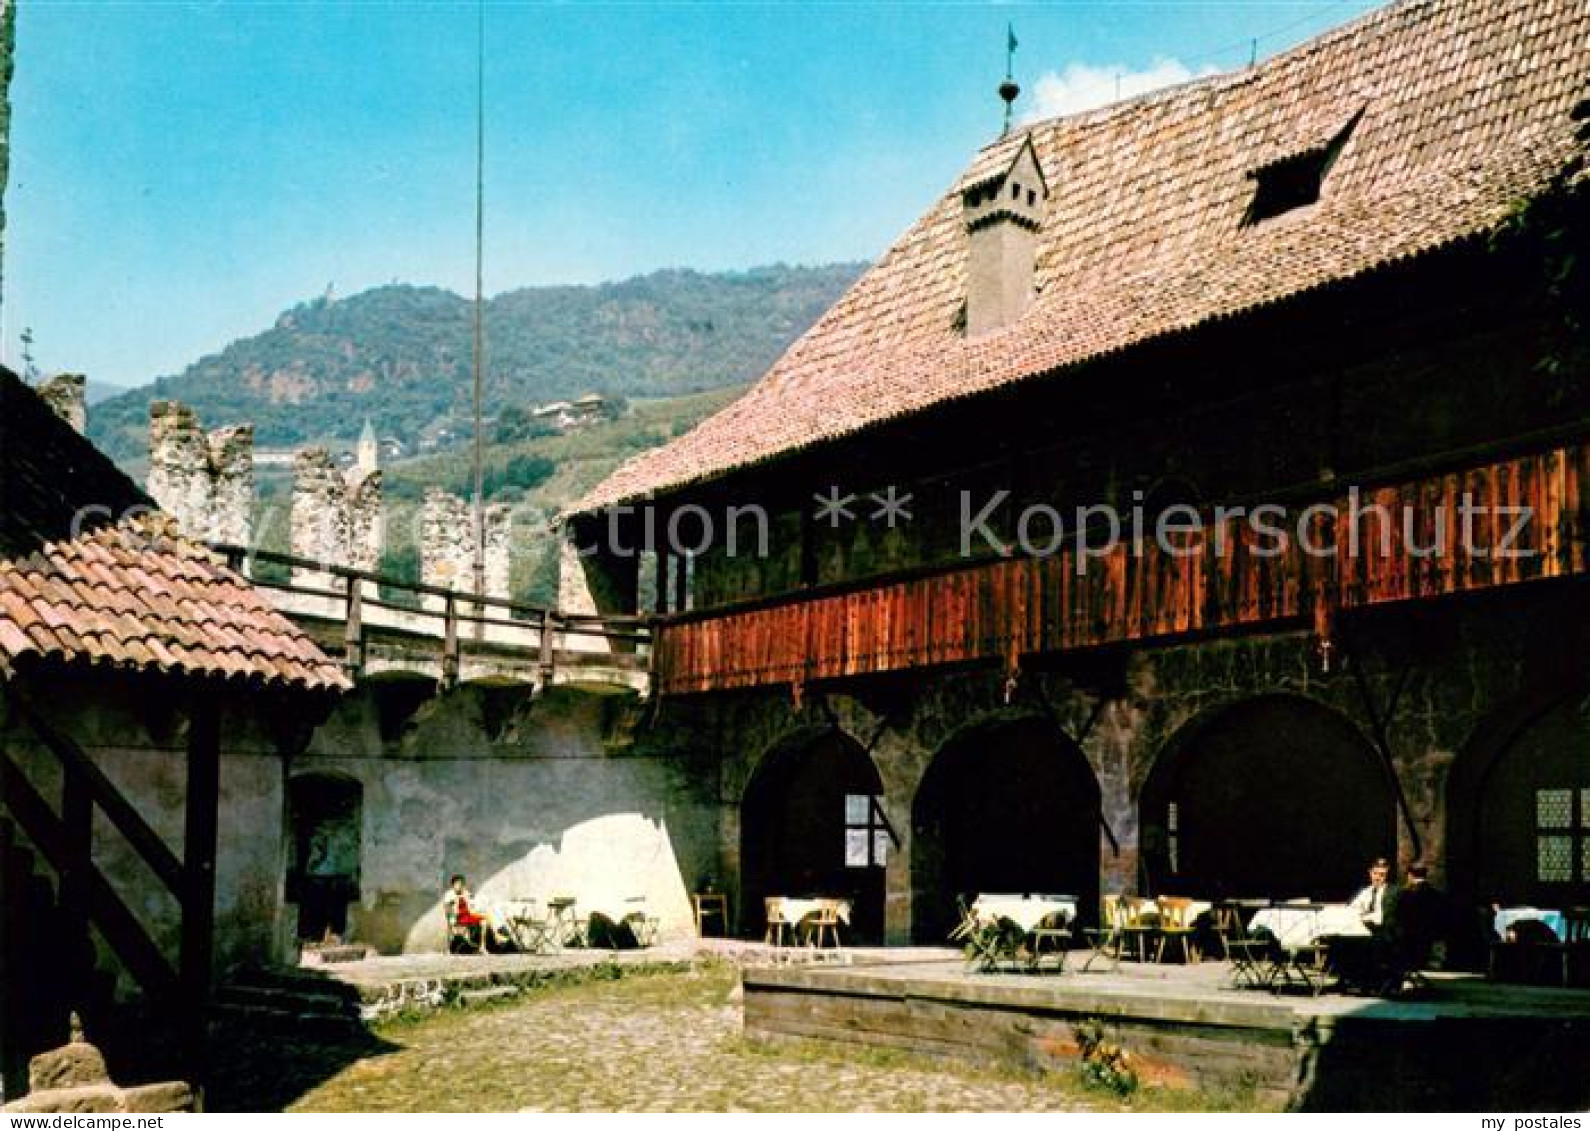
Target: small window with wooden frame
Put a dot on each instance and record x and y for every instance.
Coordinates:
(868, 834)
(1562, 835)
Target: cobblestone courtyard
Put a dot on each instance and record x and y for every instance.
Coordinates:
(655, 1042)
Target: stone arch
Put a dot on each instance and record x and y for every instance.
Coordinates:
(325, 817)
(1498, 820)
(1008, 803)
(1275, 795)
(797, 819)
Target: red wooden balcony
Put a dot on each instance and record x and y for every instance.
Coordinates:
(1009, 608)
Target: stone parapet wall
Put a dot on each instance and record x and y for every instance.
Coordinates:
(334, 518)
(447, 544)
(203, 480)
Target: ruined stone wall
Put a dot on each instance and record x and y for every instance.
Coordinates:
(1444, 681)
(447, 544)
(334, 518)
(205, 481)
(527, 797)
(66, 394)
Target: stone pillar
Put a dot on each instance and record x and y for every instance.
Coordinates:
(205, 482)
(65, 393)
(498, 535)
(231, 467)
(317, 516)
(366, 520)
(335, 519)
(447, 544)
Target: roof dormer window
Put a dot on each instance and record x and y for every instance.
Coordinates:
(1296, 180)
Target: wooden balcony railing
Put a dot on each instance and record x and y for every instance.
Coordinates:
(1224, 580)
(352, 613)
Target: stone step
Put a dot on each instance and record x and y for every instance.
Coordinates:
(293, 981)
(265, 1019)
(290, 1001)
(327, 955)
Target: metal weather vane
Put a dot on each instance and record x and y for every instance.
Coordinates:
(1009, 89)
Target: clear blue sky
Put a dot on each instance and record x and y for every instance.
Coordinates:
(182, 172)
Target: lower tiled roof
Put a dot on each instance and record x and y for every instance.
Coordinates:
(138, 596)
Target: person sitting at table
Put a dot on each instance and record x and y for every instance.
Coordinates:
(1376, 900)
(463, 919)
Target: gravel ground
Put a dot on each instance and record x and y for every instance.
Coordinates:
(666, 1042)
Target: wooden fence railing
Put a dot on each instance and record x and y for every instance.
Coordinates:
(366, 604)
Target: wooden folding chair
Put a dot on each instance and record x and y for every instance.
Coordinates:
(1139, 926)
(1106, 939)
(826, 921)
(1226, 921)
(1049, 941)
(981, 945)
(777, 925)
(531, 932)
(1176, 928)
(642, 924)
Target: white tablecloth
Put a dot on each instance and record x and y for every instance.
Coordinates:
(1507, 916)
(1303, 926)
(795, 910)
(1025, 912)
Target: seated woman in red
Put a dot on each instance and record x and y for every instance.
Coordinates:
(463, 922)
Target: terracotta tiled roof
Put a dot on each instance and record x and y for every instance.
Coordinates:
(1466, 110)
(139, 596)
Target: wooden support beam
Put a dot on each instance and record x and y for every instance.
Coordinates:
(548, 660)
(77, 827)
(353, 630)
(449, 642)
(127, 820)
(661, 587)
(11, 1065)
(118, 926)
(198, 894)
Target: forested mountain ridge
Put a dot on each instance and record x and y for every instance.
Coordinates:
(400, 354)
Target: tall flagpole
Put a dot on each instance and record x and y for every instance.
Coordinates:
(480, 327)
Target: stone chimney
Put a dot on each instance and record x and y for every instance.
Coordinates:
(1003, 212)
(65, 393)
(447, 544)
(204, 481)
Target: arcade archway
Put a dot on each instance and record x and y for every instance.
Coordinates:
(811, 823)
(1528, 814)
(1011, 806)
(1274, 797)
